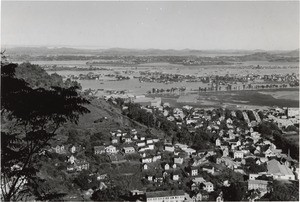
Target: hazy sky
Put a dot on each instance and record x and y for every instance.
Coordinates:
(164, 25)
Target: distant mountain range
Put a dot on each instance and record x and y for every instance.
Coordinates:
(143, 52)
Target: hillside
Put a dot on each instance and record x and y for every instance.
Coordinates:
(103, 118)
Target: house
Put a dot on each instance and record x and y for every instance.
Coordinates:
(194, 186)
(194, 171)
(60, 149)
(158, 178)
(141, 143)
(238, 154)
(128, 150)
(198, 180)
(149, 177)
(156, 157)
(151, 146)
(210, 169)
(261, 185)
(72, 159)
(197, 197)
(175, 175)
(99, 149)
(189, 151)
(101, 177)
(218, 142)
(147, 160)
(225, 152)
(178, 160)
(72, 149)
(111, 149)
(208, 186)
(162, 196)
(278, 171)
(81, 165)
(169, 148)
(142, 149)
(127, 139)
(114, 140)
(149, 141)
(229, 121)
(166, 166)
(145, 167)
(173, 165)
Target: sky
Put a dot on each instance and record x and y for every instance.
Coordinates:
(141, 25)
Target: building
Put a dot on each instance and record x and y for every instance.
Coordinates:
(72, 159)
(128, 150)
(114, 140)
(261, 185)
(166, 166)
(163, 196)
(99, 149)
(72, 149)
(127, 139)
(60, 149)
(218, 142)
(279, 171)
(209, 169)
(145, 167)
(178, 160)
(175, 176)
(194, 171)
(141, 143)
(111, 149)
(147, 160)
(208, 186)
(169, 148)
(238, 154)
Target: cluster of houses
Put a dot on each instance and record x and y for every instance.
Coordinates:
(235, 145)
(71, 151)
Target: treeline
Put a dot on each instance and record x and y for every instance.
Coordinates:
(199, 139)
(286, 144)
(37, 77)
(270, 130)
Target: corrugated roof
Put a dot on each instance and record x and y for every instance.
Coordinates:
(258, 182)
(164, 193)
(274, 167)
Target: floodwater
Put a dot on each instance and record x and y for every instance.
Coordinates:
(283, 94)
(134, 86)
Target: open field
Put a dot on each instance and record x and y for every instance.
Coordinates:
(237, 99)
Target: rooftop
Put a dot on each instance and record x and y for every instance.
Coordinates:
(274, 167)
(164, 193)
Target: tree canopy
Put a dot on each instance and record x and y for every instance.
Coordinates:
(30, 119)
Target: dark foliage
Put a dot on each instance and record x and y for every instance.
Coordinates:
(30, 118)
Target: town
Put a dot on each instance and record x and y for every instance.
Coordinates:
(212, 152)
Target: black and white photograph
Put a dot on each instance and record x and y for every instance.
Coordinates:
(150, 101)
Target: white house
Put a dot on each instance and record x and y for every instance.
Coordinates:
(72, 159)
(128, 150)
(111, 149)
(147, 160)
(238, 154)
(73, 149)
(169, 148)
(218, 142)
(208, 186)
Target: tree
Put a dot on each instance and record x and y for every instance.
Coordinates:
(284, 191)
(235, 192)
(30, 119)
(112, 193)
